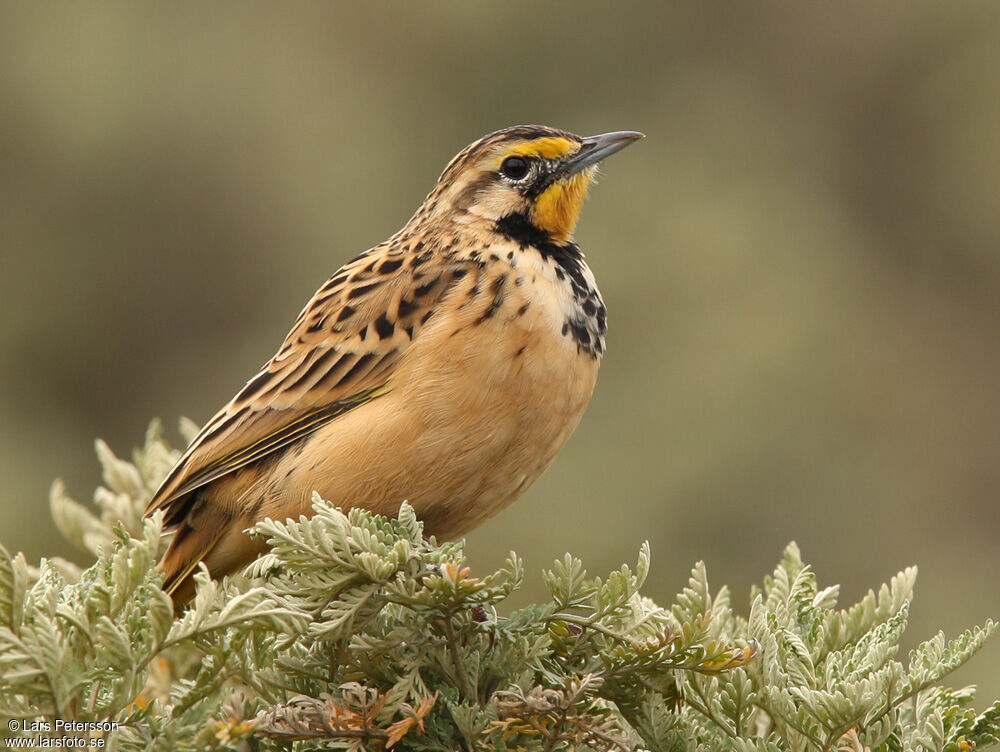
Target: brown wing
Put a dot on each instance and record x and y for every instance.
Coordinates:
(339, 354)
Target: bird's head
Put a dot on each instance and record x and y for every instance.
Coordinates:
(531, 175)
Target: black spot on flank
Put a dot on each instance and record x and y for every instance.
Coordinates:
(423, 319)
(579, 278)
(423, 258)
(510, 255)
(494, 258)
(419, 246)
(368, 267)
(459, 273)
(361, 290)
(559, 274)
(524, 309)
(406, 307)
(390, 266)
(498, 297)
(363, 332)
(383, 327)
(409, 331)
(474, 292)
(317, 323)
(519, 281)
(565, 328)
(589, 307)
(345, 313)
(520, 351)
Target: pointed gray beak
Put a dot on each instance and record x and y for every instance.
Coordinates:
(595, 148)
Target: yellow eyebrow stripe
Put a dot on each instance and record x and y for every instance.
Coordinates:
(550, 147)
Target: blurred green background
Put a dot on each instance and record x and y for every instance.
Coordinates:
(801, 261)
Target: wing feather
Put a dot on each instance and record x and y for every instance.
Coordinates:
(340, 354)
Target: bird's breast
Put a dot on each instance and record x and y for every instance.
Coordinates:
(565, 291)
(508, 386)
(480, 404)
(520, 330)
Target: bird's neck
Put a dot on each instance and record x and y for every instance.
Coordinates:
(519, 229)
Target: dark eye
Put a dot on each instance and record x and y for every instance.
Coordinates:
(514, 168)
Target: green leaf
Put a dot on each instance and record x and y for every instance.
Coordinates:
(354, 629)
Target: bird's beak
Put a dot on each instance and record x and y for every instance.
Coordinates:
(595, 148)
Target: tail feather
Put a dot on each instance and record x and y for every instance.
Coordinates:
(212, 534)
(196, 536)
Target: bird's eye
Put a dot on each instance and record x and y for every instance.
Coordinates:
(514, 168)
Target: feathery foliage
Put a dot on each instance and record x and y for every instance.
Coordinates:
(355, 632)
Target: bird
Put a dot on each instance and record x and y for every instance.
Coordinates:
(445, 367)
